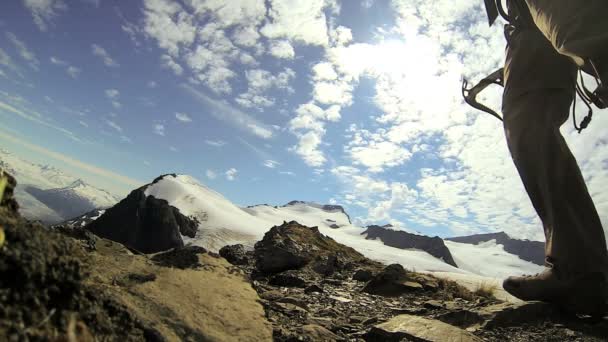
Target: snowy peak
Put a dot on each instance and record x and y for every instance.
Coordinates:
(533, 251)
(330, 208)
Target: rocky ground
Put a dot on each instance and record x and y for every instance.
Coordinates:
(67, 284)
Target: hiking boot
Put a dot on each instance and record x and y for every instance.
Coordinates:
(583, 293)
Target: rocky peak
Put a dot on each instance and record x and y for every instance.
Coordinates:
(144, 223)
(326, 207)
(404, 240)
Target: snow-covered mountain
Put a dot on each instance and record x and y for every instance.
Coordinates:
(50, 195)
(220, 223)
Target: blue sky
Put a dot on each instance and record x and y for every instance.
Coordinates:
(349, 102)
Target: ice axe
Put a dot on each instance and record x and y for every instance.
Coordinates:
(470, 94)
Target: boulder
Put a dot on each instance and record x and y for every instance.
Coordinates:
(292, 246)
(313, 332)
(393, 281)
(288, 279)
(235, 254)
(363, 275)
(408, 327)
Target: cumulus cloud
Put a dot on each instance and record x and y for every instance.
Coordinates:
(262, 81)
(211, 174)
(43, 11)
(231, 174)
(282, 49)
(159, 129)
(300, 21)
(183, 117)
(105, 57)
(169, 63)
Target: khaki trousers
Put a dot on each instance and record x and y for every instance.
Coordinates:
(539, 89)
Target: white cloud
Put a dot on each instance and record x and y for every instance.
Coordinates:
(308, 148)
(73, 71)
(7, 61)
(287, 173)
(84, 124)
(105, 57)
(231, 174)
(168, 23)
(282, 49)
(44, 11)
(159, 129)
(215, 143)
(112, 93)
(151, 84)
(301, 21)
(183, 117)
(271, 164)
(114, 125)
(229, 114)
(261, 81)
(211, 174)
(169, 63)
(23, 51)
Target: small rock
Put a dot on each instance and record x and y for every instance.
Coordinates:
(289, 309)
(433, 304)
(461, 318)
(340, 299)
(506, 314)
(418, 328)
(363, 275)
(313, 289)
(318, 333)
(288, 279)
(292, 300)
(357, 319)
(391, 282)
(322, 321)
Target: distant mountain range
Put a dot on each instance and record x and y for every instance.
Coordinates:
(176, 210)
(50, 195)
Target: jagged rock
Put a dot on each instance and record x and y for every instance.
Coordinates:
(507, 314)
(327, 265)
(393, 281)
(292, 246)
(144, 223)
(313, 332)
(288, 279)
(313, 289)
(461, 318)
(235, 254)
(293, 300)
(363, 275)
(418, 329)
(185, 257)
(533, 251)
(9, 203)
(404, 240)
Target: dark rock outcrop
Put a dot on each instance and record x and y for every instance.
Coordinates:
(144, 223)
(404, 240)
(393, 281)
(235, 254)
(292, 246)
(533, 251)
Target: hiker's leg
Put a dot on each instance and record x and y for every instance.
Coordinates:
(533, 115)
